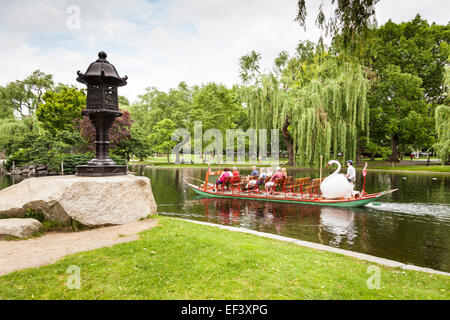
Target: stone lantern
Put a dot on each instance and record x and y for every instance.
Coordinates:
(102, 108)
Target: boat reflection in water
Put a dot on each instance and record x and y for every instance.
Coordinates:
(340, 223)
(327, 225)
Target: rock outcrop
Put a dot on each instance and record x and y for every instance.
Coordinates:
(90, 201)
(20, 228)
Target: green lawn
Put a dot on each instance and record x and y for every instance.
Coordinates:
(181, 260)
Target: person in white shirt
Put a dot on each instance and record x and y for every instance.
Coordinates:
(351, 172)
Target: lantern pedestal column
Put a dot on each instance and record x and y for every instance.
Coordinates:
(102, 165)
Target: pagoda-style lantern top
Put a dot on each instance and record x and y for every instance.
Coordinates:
(102, 80)
(102, 108)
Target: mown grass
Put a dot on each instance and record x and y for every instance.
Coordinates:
(181, 260)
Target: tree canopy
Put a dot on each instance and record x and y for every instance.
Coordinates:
(60, 108)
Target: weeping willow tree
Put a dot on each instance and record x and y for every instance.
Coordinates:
(321, 116)
(11, 130)
(442, 145)
(442, 114)
(328, 113)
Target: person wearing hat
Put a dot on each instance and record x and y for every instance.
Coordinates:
(351, 172)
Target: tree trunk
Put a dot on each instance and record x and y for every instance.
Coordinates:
(168, 156)
(289, 143)
(394, 148)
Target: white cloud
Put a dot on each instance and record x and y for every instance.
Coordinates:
(161, 43)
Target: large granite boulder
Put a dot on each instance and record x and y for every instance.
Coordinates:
(20, 228)
(91, 201)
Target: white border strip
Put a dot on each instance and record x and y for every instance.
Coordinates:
(317, 246)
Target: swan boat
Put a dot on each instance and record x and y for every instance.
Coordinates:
(285, 196)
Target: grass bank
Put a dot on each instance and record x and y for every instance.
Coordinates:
(181, 260)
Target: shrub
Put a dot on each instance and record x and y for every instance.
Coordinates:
(53, 160)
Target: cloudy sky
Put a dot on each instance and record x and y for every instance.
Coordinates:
(162, 42)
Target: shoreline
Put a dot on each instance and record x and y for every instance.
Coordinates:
(318, 246)
(246, 167)
(406, 171)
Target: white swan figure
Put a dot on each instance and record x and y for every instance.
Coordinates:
(336, 185)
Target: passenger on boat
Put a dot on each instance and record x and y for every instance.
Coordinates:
(262, 177)
(251, 184)
(269, 172)
(278, 175)
(284, 172)
(225, 174)
(254, 174)
(235, 171)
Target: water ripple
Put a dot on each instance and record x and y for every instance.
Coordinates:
(438, 211)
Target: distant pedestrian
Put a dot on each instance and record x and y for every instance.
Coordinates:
(411, 156)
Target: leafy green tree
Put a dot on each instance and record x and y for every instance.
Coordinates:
(60, 108)
(442, 116)
(160, 138)
(349, 23)
(155, 105)
(44, 148)
(124, 103)
(317, 101)
(24, 96)
(6, 112)
(12, 133)
(442, 145)
(265, 89)
(418, 48)
(403, 112)
(215, 105)
(133, 146)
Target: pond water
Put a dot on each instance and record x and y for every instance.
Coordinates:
(411, 225)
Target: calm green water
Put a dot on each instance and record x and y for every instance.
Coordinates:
(411, 225)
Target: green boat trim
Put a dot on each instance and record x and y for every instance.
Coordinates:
(359, 202)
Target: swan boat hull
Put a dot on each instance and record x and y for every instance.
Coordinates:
(359, 202)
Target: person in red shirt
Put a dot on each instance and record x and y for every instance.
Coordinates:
(225, 174)
(235, 171)
(271, 183)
